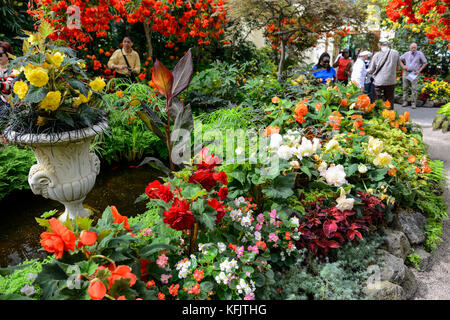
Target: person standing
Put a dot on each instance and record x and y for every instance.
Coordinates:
(125, 61)
(359, 70)
(323, 71)
(5, 77)
(368, 83)
(341, 63)
(384, 67)
(412, 63)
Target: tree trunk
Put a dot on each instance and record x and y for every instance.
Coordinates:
(282, 59)
(148, 36)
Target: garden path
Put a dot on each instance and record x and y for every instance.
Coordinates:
(434, 284)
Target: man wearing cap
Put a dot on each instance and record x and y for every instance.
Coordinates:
(384, 67)
(412, 63)
(359, 70)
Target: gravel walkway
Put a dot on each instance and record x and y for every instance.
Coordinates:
(434, 284)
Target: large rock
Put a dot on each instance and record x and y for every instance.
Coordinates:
(392, 269)
(412, 225)
(385, 290)
(397, 243)
(409, 284)
(425, 259)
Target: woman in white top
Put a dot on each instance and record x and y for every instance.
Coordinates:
(359, 70)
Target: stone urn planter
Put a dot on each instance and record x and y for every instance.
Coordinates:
(66, 170)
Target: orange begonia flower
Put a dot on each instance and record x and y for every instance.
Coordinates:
(58, 241)
(301, 109)
(271, 130)
(387, 104)
(97, 289)
(318, 106)
(119, 218)
(392, 172)
(412, 159)
(344, 102)
(88, 238)
(417, 170)
(275, 100)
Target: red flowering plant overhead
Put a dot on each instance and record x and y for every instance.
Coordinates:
(430, 15)
(193, 200)
(102, 261)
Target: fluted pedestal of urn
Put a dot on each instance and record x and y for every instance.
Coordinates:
(65, 170)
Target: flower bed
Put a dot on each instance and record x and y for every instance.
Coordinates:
(220, 230)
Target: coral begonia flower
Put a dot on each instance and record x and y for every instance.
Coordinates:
(271, 130)
(88, 238)
(118, 218)
(121, 272)
(58, 241)
(96, 290)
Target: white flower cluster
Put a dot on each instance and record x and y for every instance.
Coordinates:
(334, 175)
(239, 201)
(227, 269)
(222, 247)
(183, 267)
(203, 247)
(246, 288)
(344, 203)
(244, 219)
(374, 148)
(293, 147)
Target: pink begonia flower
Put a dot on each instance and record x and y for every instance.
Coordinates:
(240, 251)
(260, 218)
(258, 227)
(273, 237)
(162, 261)
(273, 214)
(165, 278)
(253, 249)
(250, 296)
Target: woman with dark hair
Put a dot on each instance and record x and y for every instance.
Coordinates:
(5, 77)
(125, 61)
(341, 63)
(323, 70)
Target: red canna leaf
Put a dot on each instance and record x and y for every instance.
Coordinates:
(333, 244)
(162, 79)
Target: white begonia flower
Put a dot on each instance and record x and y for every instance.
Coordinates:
(334, 175)
(222, 247)
(294, 221)
(275, 141)
(238, 201)
(362, 168)
(285, 152)
(306, 148)
(27, 290)
(375, 146)
(322, 167)
(316, 144)
(344, 203)
(331, 145)
(383, 159)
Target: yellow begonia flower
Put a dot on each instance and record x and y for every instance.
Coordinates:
(97, 84)
(82, 99)
(38, 77)
(57, 59)
(21, 89)
(383, 159)
(51, 101)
